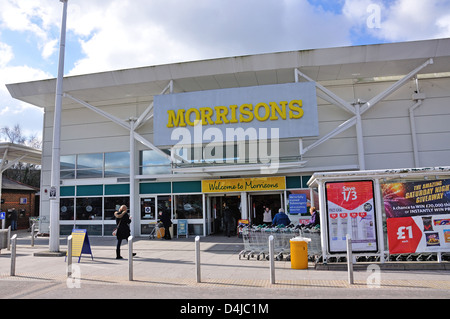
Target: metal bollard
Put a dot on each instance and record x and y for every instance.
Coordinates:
(197, 258)
(32, 235)
(272, 260)
(69, 256)
(13, 255)
(8, 242)
(130, 258)
(349, 259)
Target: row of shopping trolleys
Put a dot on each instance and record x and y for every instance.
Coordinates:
(256, 242)
(256, 245)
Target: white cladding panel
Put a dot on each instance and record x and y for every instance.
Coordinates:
(386, 128)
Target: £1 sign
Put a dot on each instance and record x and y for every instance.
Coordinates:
(404, 235)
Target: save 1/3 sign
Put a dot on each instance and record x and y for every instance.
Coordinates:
(351, 210)
(349, 193)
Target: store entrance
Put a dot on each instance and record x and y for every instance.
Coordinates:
(217, 213)
(258, 204)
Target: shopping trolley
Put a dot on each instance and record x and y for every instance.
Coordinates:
(315, 245)
(256, 242)
(245, 233)
(282, 242)
(158, 231)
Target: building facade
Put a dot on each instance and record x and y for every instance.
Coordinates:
(19, 198)
(249, 131)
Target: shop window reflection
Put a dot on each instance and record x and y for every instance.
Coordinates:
(188, 207)
(66, 209)
(112, 204)
(89, 208)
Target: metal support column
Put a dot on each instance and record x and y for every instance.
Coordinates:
(55, 172)
(360, 138)
(132, 207)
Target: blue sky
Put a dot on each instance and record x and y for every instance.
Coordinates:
(116, 34)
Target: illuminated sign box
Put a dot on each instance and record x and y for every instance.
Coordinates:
(237, 113)
(244, 184)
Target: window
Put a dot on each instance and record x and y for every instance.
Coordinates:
(90, 166)
(117, 164)
(92, 230)
(67, 166)
(98, 165)
(188, 207)
(152, 163)
(164, 204)
(112, 204)
(66, 209)
(89, 208)
(148, 208)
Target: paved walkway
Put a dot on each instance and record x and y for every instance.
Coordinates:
(166, 269)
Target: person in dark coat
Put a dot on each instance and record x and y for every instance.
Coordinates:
(13, 219)
(165, 219)
(227, 218)
(281, 219)
(123, 221)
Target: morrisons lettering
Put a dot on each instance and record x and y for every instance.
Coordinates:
(244, 113)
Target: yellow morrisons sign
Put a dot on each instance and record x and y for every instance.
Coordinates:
(244, 184)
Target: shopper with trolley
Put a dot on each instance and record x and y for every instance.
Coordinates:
(281, 219)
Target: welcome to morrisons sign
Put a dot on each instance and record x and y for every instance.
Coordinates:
(290, 109)
(244, 184)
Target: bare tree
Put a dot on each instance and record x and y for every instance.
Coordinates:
(34, 142)
(15, 135)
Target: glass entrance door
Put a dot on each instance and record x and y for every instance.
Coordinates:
(148, 215)
(258, 202)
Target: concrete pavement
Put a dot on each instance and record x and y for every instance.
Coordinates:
(166, 269)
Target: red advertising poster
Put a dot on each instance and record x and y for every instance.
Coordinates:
(351, 210)
(418, 216)
(403, 235)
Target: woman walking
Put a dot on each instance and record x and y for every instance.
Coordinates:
(123, 221)
(164, 217)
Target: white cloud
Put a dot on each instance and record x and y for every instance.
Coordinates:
(401, 20)
(443, 24)
(117, 34)
(16, 112)
(36, 17)
(49, 48)
(6, 54)
(128, 35)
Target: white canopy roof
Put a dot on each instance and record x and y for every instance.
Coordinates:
(17, 152)
(348, 64)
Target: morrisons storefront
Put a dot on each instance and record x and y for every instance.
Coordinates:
(249, 131)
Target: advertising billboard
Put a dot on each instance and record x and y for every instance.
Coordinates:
(418, 216)
(351, 210)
